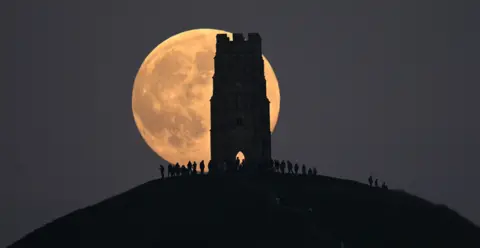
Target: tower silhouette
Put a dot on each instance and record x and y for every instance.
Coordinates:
(240, 109)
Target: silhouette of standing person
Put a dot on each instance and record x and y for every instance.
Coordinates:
(370, 180)
(189, 166)
(277, 166)
(162, 171)
(304, 170)
(237, 164)
(314, 171)
(194, 168)
(310, 171)
(289, 167)
(210, 167)
(282, 166)
(296, 168)
(202, 167)
(376, 182)
(177, 169)
(184, 170)
(169, 170)
(384, 185)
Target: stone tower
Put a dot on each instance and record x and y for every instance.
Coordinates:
(240, 109)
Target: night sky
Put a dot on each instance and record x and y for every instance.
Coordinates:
(383, 87)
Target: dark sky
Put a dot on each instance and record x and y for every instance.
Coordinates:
(383, 87)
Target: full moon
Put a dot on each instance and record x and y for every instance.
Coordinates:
(172, 91)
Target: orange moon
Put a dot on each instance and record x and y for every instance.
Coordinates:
(172, 91)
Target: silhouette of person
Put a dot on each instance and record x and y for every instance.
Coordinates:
(237, 164)
(384, 185)
(376, 182)
(184, 171)
(296, 168)
(370, 180)
(289, 167)
(169, 170)
(304, 170)
(310, 171)
(162, 171)
(202, 167)
(282, 166)
(277, 166)
(314, 171)
(194, 168)
(177, 169)
(189, 166)
(210, 167)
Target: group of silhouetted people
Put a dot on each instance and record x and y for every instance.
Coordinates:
(286, 167)
(372, 183)
(277, 166)
(182, 170)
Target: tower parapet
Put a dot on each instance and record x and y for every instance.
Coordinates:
(239, 45)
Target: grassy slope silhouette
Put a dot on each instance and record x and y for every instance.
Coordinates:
(234, 211)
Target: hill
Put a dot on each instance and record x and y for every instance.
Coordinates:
(235, 211)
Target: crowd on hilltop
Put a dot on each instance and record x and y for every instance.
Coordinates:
(192, 168)
(286, 167)
(277, 166)
(372, 183)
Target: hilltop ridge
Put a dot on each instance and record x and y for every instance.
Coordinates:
(270, 211)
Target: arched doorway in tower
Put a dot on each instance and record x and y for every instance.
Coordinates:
(241, 157)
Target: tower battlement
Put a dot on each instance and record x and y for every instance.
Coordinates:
(239, 45)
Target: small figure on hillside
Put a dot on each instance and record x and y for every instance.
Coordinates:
(189, 167)
(304, 170)
(282, 167)
(289, 167)
(210, 167)
(184, 171)
(370, 180)
(314, 171)
(162, 171)
(296, 168)
(176, 171)
(310, 171)
(194, 168)
(202, 167)
(277, 166)
(169, 170)
(376, 182)
(384, 185)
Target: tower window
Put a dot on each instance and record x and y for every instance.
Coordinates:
(239, 121)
